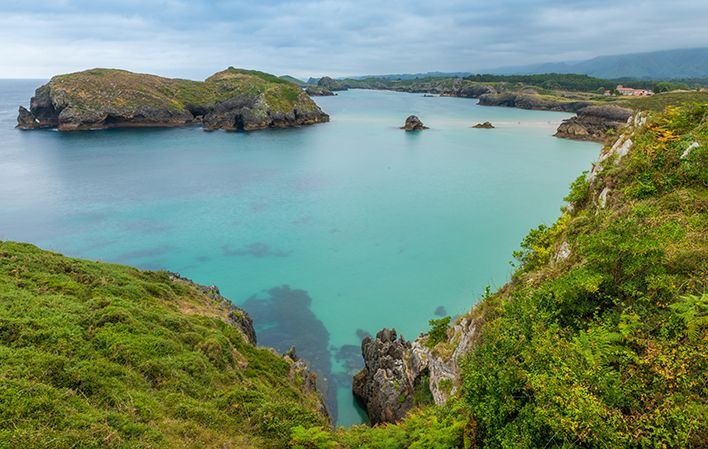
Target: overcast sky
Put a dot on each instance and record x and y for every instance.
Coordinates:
(194, 38)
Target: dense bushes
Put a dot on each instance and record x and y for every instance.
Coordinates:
(608, 347)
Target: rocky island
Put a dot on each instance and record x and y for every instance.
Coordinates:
(233, 100)
(413, 123)
(485, 125)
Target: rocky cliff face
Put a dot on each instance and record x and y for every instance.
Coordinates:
(396, 369)
(530, 101)
(593, 122)
(232, 100)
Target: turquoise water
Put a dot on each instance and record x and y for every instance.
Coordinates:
(322, 233)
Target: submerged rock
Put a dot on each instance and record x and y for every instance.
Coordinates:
(485, 125)
(413, 123)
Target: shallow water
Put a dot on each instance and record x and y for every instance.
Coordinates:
(323, 233)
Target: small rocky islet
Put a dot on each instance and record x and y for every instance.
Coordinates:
(413, 123)
(485, 125)
(233, 100)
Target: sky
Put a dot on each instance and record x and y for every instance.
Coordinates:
(195, 38)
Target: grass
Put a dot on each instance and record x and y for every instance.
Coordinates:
(102, 355)
(118, 91)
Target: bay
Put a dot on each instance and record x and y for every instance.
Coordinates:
(323, 233)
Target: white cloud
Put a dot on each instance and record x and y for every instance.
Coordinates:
(196, 38)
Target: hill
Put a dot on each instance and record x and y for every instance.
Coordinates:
(96, 355)
(657, 65)
(233, 99)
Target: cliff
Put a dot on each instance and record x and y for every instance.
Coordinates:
(103, 355)
(599, 338)
(233, 99)
(594, 122)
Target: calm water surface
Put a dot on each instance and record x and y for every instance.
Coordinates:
(323, 233)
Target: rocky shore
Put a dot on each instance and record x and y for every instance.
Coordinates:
(233, 100)
(593, 122)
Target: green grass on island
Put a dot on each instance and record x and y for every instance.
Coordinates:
(101, 89)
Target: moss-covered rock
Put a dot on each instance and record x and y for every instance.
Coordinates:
(233, 99)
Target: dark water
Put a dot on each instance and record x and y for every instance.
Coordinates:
(324, 234)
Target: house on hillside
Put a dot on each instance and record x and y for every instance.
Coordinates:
(628, 91)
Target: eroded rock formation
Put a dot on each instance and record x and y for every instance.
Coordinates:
(396, 369)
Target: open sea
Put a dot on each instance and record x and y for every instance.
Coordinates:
(323, 234)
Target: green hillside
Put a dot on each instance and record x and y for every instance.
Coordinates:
(96, 355)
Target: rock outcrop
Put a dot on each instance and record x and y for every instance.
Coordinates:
(385, 384)
(413, 123)
(234, 100)
(531, 101)
(233, 315)
(485, 125)
(319, 91)
(395, 369)
(593, 122)
(299, 372)
(330, 84)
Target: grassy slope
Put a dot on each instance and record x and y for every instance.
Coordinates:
(102, 355)
(120, 89)
(607, 348)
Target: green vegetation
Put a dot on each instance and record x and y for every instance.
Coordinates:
(559, 81)
(600, 340)
(605, 345)
(438, 331)
(102, 355)
(119, 90)
(658, 102)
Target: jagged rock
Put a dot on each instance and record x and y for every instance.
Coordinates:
(384, 386)
(395, 368)
(485, 125)
(593, 122)
(26, 120)
(619, 149)
(413, 123)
